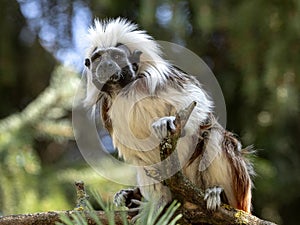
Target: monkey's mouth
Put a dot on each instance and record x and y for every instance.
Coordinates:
(99, 83)
(115, 77)
(112, 76)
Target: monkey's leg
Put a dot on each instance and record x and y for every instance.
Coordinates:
(153, 191)
(213, 197)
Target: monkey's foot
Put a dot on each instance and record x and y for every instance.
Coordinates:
(131, 198)
(213, 197)
(162, 125)
(128, 198)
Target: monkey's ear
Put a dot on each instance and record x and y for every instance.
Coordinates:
(135, 56)
(135, 59)
(87, 62)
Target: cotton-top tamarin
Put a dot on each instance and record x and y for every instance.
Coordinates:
(139, 93)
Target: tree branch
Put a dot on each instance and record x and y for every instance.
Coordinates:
(49, 218)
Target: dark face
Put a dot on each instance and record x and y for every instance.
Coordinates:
(107, 64)
(113, 65)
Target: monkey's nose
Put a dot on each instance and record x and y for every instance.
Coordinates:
(106, 70)
(106, 65)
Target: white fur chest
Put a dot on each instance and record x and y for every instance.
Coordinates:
(133, 114)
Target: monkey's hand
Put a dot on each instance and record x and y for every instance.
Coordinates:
(213, 197)
(162, 125)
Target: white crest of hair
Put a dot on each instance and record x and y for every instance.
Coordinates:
(109, 33)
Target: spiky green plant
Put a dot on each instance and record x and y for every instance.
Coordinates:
(149, 215)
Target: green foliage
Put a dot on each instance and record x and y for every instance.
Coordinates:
(21, 171)
(149, 214)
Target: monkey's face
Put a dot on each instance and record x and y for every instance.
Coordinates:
(107, 64)
(114, 65)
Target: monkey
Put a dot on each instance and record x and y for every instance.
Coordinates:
(139, 93)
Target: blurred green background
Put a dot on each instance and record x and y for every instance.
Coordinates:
(252, 47)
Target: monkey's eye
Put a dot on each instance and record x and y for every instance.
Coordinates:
(116, 56)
